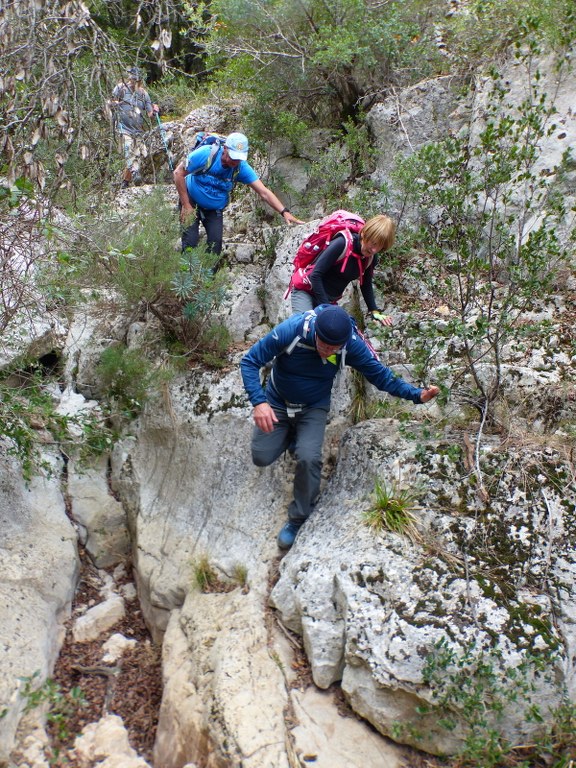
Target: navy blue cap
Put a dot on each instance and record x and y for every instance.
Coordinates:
(333, 325)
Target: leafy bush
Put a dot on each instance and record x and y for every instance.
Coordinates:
(488, 27)
(127, 376)
(61, 705)
(471, 687)
(136, 256)
(29, 419)
(490, 230)
(320, 61)
(141, 249)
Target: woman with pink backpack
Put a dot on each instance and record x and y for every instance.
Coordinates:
(343, 248)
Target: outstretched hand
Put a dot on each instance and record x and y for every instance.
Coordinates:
(429, 394)
(381, 318)
(291, 219)
(187, 213)
(264, 417)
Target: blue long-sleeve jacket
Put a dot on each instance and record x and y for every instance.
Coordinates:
(301, 377)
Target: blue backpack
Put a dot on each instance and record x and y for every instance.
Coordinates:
(216, 142)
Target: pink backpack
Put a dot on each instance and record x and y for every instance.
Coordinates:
(338, 222)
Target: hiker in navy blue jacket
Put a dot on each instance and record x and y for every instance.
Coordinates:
(308, 350)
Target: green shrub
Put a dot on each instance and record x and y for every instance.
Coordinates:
(137, 264)
(128, 377)
(61, 705)
(473, 688)
(489, 233)
(142, 255)
(330, 58)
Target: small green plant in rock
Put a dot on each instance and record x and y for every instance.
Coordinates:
(126, 376)
(204, 575)
(329, 175)
(360, 148)
(186, 310)
(98, 436)
(27, 417)
(275, 656)
(216, 341)
(240, 574)
(393, 510)
(60, 705)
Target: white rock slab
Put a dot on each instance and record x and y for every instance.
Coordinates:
(325, 739)
(98, 619)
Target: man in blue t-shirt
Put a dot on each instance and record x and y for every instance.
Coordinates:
(307, 351)
(205, 193)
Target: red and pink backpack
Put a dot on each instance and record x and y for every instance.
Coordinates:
(339, 222)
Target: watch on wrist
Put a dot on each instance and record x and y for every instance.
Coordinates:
(283, 211)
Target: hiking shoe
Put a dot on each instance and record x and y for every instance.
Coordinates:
(136, 178)
(125, 184)
(287, 535)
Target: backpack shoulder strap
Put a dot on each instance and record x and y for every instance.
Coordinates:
(298, 338)
(210, 160)
(349, 251)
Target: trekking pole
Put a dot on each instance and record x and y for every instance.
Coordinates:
(163, 134)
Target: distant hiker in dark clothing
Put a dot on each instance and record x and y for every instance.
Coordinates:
(308, 350)
(327, 280)
(205, 193)
(130, 101)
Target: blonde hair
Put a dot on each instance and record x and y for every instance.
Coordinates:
(379, 231)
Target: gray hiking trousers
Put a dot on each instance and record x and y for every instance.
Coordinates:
(305, 429)
(301, 301)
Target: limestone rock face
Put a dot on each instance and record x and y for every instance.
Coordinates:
(225, 693)
(372, 607)
(39, 564)
(100, 515)
(487, 574)
(421, 113)
(106, 743)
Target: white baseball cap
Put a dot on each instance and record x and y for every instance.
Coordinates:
(237, 146)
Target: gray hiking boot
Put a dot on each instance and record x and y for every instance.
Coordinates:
(136, 178)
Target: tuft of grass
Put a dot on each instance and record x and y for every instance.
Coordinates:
(240, 574)
(392, 510)
(205, 577)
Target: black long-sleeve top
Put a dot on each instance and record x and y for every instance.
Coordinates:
(329, 282)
